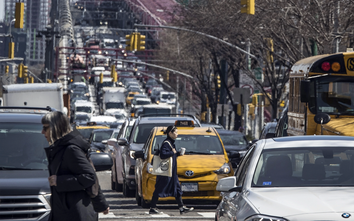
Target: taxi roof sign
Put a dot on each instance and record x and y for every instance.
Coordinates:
(184, 123)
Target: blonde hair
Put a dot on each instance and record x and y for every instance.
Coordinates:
(59, 125)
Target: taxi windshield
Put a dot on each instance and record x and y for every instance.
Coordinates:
(98, 136)
(194, 144)
(322, 166)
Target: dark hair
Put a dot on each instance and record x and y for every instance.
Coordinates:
(59, 125)
(169, 129)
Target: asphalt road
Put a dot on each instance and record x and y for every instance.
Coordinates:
(125, 208)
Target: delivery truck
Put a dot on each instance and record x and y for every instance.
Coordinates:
(35, 95)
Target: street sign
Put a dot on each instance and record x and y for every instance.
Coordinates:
(245, 92)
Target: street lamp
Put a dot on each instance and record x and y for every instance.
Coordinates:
(12, 21)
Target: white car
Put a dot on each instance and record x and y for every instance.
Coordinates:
(292, 178)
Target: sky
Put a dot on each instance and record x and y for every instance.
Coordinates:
(2, 10)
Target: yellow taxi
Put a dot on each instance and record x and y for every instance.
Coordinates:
(204, 163)
(129, 98)
(86, 130)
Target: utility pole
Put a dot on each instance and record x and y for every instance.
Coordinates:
(336, 28)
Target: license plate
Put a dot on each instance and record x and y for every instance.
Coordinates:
(189, 187)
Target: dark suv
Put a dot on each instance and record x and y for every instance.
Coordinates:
(136, 139)
(24, 187)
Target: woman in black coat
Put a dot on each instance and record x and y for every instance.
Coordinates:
(70, 172)
(169, 186)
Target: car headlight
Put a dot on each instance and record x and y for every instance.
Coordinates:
(47, 197)
(131, 153)
(149, 168)
(264, 218)
(224, 169)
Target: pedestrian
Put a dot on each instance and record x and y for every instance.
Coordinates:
(70, 172)
(169, 186)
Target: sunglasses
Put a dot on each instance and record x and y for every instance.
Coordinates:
(45, 128)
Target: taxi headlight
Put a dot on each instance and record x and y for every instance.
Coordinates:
(224, 169)
(131, 153)
(149, 168)
(264, 218)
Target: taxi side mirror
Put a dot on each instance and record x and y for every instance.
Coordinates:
(139, 154)
(123, 142)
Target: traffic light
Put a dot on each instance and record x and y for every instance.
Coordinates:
(24, 70)
(218, 81)
(239, 109)
(19, 14)
(31, 80)
(141, 42)
(49, 81)
(7, 69)
(11, 50)
(19, 70)
(248, 7)
(167, 75)
(270, 51)
(131, 41)
(113, 70)
(255, 99)
(101, 78)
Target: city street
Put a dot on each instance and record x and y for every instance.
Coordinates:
(125, 208)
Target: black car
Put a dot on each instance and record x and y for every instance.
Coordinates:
(24, 187)
(268, 130)
(96, 138)
(234, 141)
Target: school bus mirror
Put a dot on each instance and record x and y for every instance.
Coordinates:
(304, 91)
(322, 118)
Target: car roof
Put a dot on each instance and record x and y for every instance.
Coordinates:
(189, 130)
(309, 141)
(162, 119)
(21, 117)
(234, 132)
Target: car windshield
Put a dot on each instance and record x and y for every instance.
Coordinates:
(82, 118)
(156, 111)
(314, 166)
(114, 105)
(84, 109)
(143, 102)
(86, 132)
(98, 136)
(143, 131)
(194, 144)
(232, 139)
(168, 96)
(22, 146)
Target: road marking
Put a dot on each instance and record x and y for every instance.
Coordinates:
(109, 215)
(208, 214)
(158, 215)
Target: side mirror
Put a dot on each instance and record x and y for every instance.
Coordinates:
(104, 141)
(101, 161)
(139, 154)
(270, 135)
(322, 118)
(305, 91)
(233, 154)
(112, 141)
(123, 142)
(225, 184)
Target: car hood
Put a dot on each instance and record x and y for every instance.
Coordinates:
(136, 146)
(235, 147)
(200, 162)
(302, 201)
(24, 182)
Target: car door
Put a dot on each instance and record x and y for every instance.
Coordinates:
(233, 202)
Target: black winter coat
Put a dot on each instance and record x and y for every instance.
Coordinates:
(69, 199)
(168, 186)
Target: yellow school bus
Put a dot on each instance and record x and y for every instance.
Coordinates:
(321, 96)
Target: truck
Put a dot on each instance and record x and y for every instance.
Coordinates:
(36, 95)
(113, 98)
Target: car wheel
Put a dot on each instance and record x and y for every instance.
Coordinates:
(113, 184)
(144, 204)
(126, 191)
(137, 197)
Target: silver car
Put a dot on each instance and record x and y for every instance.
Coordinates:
(292, 178)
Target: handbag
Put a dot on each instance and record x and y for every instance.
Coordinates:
(162, 167)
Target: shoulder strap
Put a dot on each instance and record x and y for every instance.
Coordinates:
(166, 141)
